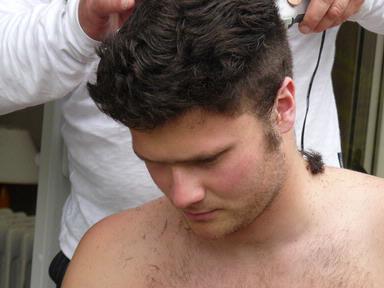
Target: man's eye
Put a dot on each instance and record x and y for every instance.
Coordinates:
(208, 161)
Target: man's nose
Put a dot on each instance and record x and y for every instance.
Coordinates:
(186, 188)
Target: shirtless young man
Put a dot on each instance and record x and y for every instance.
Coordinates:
(206, 88)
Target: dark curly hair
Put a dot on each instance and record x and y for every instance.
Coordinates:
(172, 56)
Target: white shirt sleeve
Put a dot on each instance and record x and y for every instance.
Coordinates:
(44, 53)
(371, 16)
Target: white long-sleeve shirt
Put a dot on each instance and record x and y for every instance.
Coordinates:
(45, 55)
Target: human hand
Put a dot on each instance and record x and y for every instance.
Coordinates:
(99, 18)
(324, 14)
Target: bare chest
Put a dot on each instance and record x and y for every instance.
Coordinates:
(320, 267)
(262, 277)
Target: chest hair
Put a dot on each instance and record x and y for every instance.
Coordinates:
(317, 264)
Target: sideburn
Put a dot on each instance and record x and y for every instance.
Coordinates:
(272, 137)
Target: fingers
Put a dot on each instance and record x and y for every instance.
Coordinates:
(351, 10)
(334, 15)
(316, 11)
(124, 16)
(107, 7)
(323, 14)
(100, 18)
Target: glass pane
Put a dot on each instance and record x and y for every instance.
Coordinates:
(353, 75)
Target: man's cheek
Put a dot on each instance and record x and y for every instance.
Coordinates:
(160, 177)
(232, 177)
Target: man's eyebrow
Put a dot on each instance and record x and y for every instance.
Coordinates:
(193, 159)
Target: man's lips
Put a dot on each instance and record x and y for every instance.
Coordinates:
(200, 216)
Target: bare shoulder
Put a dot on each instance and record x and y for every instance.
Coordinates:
(357, 200)
(112, 249)
(353, 199)
(356, 193)
(364, 192)
(357, 183)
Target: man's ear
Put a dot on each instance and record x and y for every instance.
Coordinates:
(285, 106)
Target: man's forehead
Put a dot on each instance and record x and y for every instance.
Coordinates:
(193, 135)
(197, 121)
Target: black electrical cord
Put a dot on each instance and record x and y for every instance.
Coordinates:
(310, 89)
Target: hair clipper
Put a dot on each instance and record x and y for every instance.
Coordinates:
(292, 11)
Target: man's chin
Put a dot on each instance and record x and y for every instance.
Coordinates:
(208, 231)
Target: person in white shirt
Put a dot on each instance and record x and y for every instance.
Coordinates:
(48, 51)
